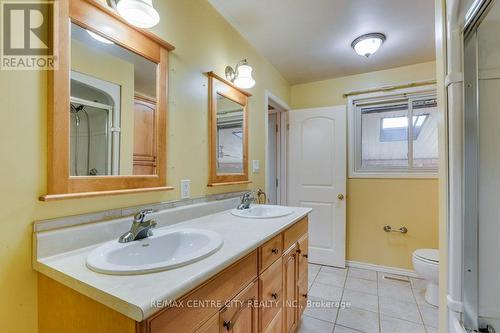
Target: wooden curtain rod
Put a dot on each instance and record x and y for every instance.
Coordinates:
(390, 88)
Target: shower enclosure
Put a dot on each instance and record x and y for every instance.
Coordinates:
(473, 82)
(90, 138)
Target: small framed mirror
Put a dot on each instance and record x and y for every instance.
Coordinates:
(228, 122)
(107, 106)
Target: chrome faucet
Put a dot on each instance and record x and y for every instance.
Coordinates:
(140, 229)
(246, 200)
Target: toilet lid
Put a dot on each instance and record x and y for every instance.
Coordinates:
(428, 254)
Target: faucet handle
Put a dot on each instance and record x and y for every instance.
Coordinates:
(139, 217)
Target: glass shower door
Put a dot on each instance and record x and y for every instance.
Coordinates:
(481, 289)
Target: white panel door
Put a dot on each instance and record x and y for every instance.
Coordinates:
(317, 178)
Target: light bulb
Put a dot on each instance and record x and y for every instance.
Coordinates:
(139, 13)
(244, 77)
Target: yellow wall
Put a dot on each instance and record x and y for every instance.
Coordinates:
(96, 63)
(204, 41)
(373, 203)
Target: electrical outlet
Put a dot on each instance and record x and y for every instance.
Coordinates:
(185, 189)
(256, 166)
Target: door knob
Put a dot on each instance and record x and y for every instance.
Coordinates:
(340, 196)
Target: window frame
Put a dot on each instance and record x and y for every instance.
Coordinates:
(355, 140)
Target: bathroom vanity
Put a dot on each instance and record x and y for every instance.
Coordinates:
(256, 282)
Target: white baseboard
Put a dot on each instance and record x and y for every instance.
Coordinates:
(384, 269)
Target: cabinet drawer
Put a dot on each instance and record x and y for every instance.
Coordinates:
(292, 234)
(276, 325)
(271, 293)
(270, 252)
(219, 289)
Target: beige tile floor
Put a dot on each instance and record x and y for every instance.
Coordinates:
(373, 304)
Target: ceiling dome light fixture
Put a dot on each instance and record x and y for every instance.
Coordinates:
(241, 75)
(139, 13)
(368, 44)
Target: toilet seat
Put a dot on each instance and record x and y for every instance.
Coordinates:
(429, 256)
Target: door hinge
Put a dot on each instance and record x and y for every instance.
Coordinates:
(288, 127)
(276, 182)
(277, 128)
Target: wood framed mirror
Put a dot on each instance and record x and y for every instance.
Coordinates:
(228, 124)
(107, 118)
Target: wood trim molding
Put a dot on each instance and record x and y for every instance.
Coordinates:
(148, 34)
(217, 85)
(92, 15)
(230, 183)
(57, 197)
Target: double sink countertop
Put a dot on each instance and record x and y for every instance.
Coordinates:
(137, 296)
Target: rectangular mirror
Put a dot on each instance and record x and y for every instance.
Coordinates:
(228, 132)
(107, 120)
(112, 108)
(229, 136)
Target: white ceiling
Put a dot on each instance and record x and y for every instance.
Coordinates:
(309, 40)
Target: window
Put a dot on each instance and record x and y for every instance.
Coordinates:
(382, 141)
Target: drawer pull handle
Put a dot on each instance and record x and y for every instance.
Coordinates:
(304, 295)
(305, 255)
(228, 325)
(274, 295)
(299, 251)
(275, 251)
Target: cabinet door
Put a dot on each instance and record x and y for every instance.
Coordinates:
(241, 315)
(276, 325)
(302, 251)
(271, 295)
(302, 297)
(211, 326)
(290, 290)
(144, 137)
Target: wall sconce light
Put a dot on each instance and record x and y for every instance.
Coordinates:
(139, 13)
(241, 75)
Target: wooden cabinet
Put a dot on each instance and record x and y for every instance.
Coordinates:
(290, 290)
(235, 301)
(144, 162)
(218, 290)
(241, 316)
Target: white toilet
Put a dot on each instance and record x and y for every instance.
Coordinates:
(426, 264)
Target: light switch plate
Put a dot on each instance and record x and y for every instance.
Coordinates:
(256, 166)
(185, 189)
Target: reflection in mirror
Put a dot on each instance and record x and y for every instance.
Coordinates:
(229, 136)
(112, 111)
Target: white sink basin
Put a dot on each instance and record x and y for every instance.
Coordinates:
(166, 249)
(262, 212)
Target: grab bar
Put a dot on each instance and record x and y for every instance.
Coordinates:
(402, 230)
